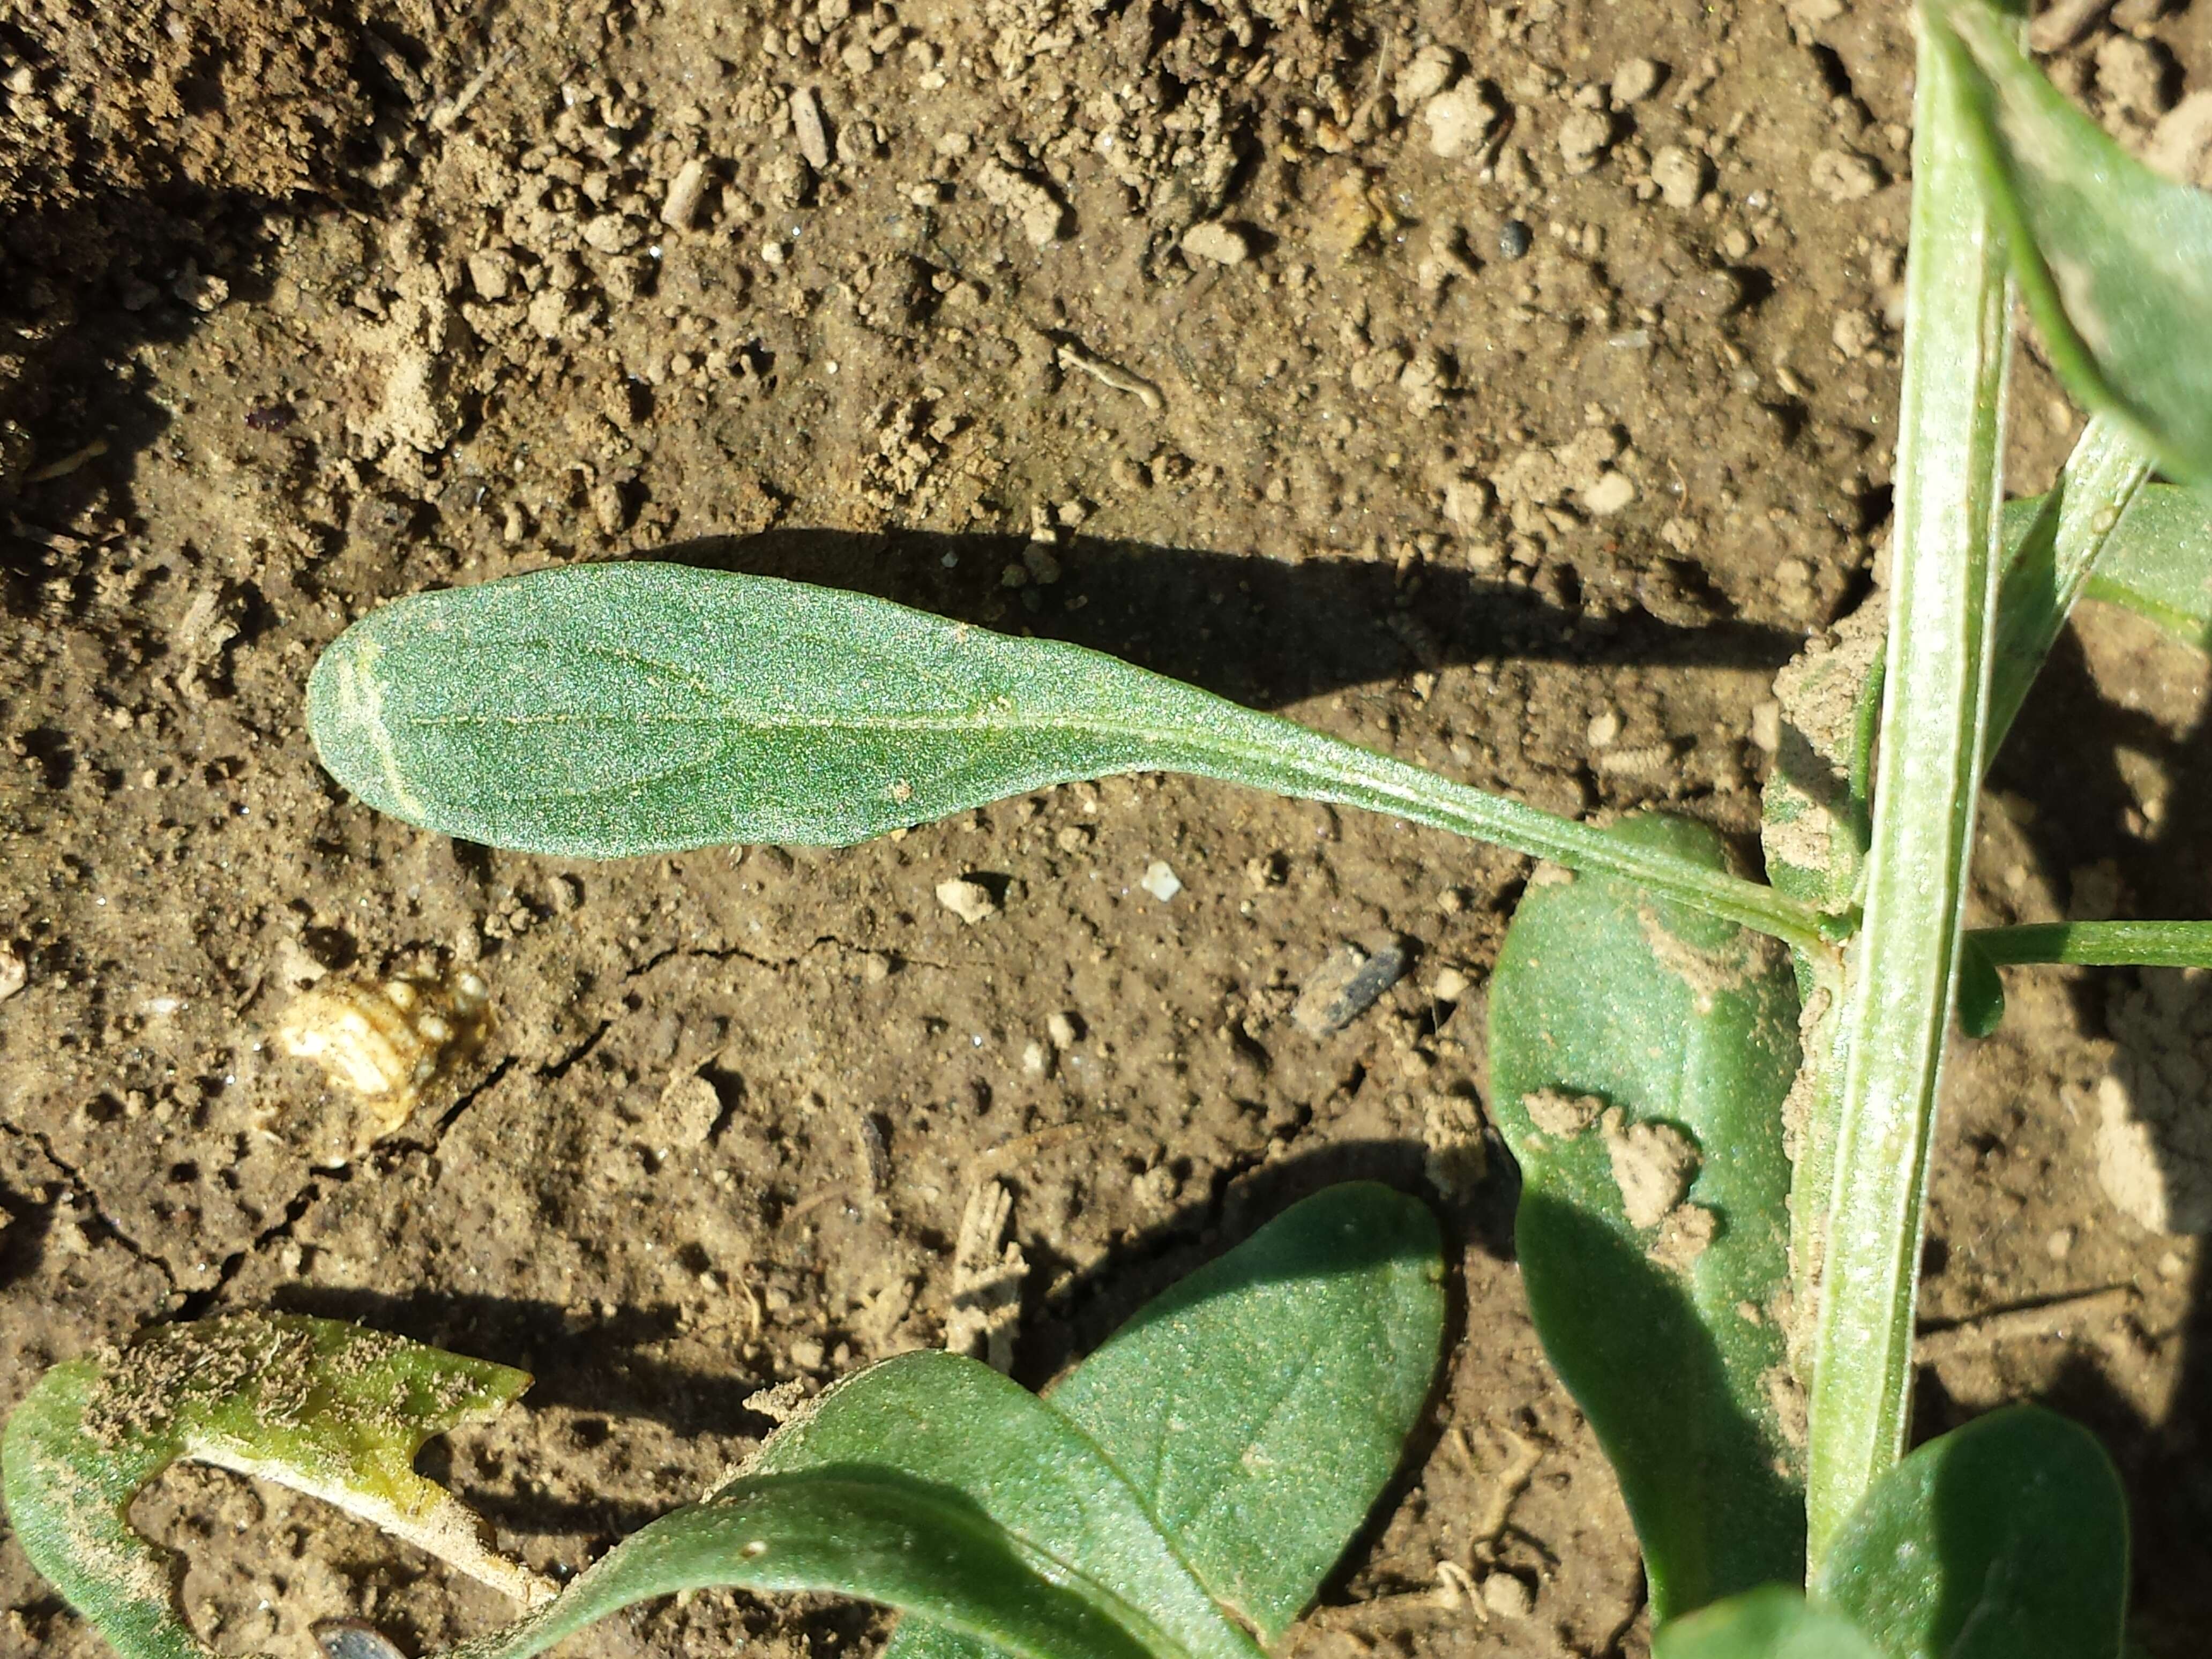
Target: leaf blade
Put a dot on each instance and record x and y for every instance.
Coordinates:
(316, 1404)
(1688, 1054)
(618, 710)
(2005, 1539)
(948, 1420)
(2115, 262)
(1773, 1623)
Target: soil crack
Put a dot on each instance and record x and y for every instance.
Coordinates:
(76, 1181)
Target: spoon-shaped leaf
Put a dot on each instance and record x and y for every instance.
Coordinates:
(1774, 1622)
(1640, 1055)
(1260, 1404)
(2115, 262)
(608, 711)
(2006, 1539)
(323, 1406)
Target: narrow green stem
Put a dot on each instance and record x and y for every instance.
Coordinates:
(2100, 943)
(1320, 767)
(1901, 971)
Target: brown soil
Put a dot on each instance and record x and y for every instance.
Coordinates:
(1159, 327)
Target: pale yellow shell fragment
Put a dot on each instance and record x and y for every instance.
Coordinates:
(382, 1039)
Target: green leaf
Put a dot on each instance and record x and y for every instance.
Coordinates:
(1981, 992)
(1261, 1405)
(326, 1407)
(2054, 548)
(2006, 1539)
(2158, 563)
(1773, 1623)
(854, 1529)
(1640, 1055)
(940, 1418)
(609, 711)
(2115, 262)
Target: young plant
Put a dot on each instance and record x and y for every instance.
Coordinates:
(1181, 1495)
(1722, 1091)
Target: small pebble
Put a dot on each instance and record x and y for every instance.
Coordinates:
(1346, 985)
(687, 192)
(1162, 883)
(1680, 175)
(1460, 119)
(807, 122)
(1612, 492)
(1515, 238)
(1222, 244)
(1636, 81)
(1844, 175)
(1584, 136)
(971, 901)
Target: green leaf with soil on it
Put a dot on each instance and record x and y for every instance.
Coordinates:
(2115, 262)
(315, 1404)
(2006, 1539)
(615, 710)
(1640, 1057)
(2158, 563)
(1773, 1623)
(1261, 1405)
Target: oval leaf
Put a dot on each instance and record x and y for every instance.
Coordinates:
(1640, 1057)
(614, 709)
(2006, 1539)
(951, 1422)
(2115, 262)
(1261, 1405)
(856, 1530)
(315, 1404)
(1773, 1623)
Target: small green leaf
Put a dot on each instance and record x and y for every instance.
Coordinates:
(1981, 990)
(1260, 1404)
(2158, 563)
(615, 710)
(1773, 1623)
(2115, 262)
(951, 1422)
(2006, 1539)
(855, 1529)
(1640, 1055)
(320, 1406)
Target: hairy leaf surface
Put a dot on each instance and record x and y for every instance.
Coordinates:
(2115, 262)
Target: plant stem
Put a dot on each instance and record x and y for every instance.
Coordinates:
(2100, 943)
(1290, 758)
(1901, 972)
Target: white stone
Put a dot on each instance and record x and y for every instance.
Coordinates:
(1460, 118)
(971, 901)
(1162, 883)
(1224, 244)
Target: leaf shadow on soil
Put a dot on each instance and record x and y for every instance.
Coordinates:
(2072, 775)
(1254, 630)
(606, 1370)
